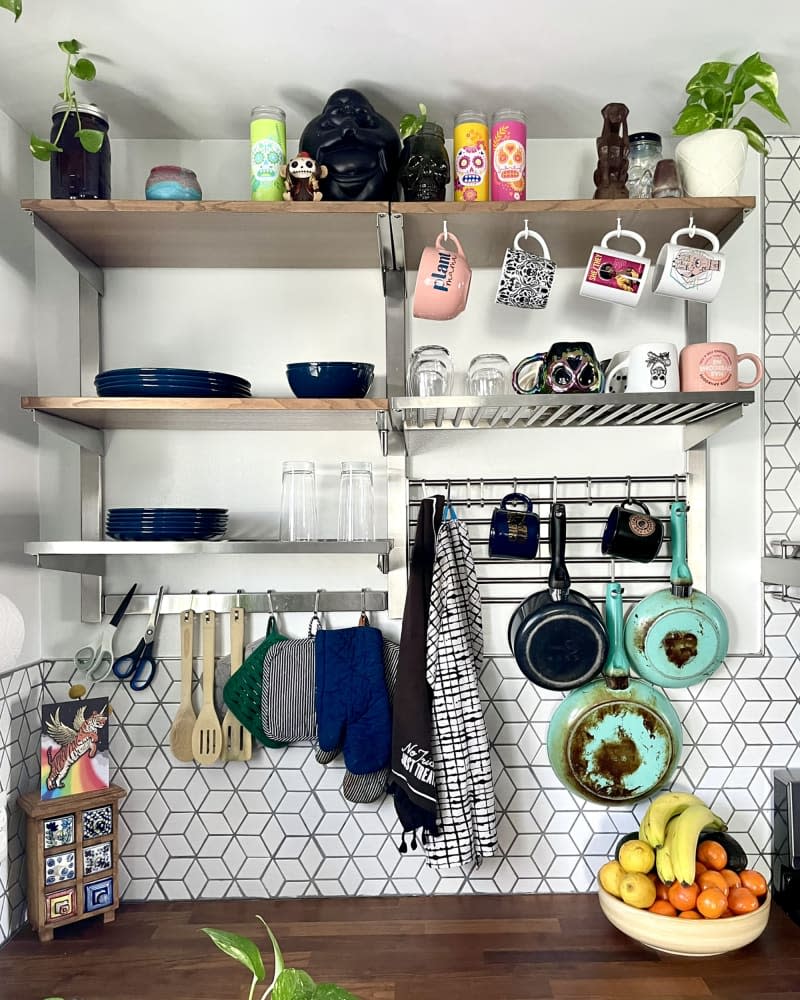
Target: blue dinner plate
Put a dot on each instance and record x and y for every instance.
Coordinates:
(146, 380)
(167, 510)
(166, 392)
(195, 373)
(165, 536)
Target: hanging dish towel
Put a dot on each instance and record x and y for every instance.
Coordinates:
(412, 779)
(460, 748)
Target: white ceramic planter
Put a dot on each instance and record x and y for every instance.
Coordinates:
(711, 163)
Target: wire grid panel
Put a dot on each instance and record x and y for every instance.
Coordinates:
(588, 504)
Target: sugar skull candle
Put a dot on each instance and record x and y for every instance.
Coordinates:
(509, 140)
(471, 157)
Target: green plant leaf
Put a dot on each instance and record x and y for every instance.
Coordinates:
(241, 948)
(72, 46)
(327, 991)
(280, 965)
(407, 126)
(694, 118)
(709, 73)
(91, 139)
(761, 72)
(15, 6)
(293, 984)
(754, 134)
(42, 149)
(84, 69)
(767, 101)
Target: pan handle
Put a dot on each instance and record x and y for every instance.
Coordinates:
(559, 580)
(680, 576)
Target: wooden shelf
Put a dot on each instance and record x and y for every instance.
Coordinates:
(209, 414)
(343, 234)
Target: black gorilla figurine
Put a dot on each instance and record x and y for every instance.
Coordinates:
(360, 148)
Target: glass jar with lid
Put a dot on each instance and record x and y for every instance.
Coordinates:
(644, 154)
(75, 173)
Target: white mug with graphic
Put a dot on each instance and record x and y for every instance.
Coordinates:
(616, 276)
(687, 273)
(650, 367)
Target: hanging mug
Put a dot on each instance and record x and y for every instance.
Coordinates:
(687, 273)
(526, 278)
(514, 534)
(443, 281)
(613, 275)
(631, 532)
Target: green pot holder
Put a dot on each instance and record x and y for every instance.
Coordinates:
(242, 693)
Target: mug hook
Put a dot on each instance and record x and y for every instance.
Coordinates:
(589, 499)
(444, 230)
(613, 571)
(677, 488)
(526, 232)
(628, 489)
(514, 485)
(469, 491)
(555, 489)
(482, 496)
(424, 489)
(692, 229)
(619, 227)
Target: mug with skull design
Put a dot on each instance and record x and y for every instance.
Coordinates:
(651, 367)
(687, 273)
(526, 278)
(424, 171)
(570, 367)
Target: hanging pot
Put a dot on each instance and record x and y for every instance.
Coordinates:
(711, 163)
(557, 635)
(617, 739)
(677, 637)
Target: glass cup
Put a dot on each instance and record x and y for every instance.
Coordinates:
(488, 375)
(430, 371)
(356, 503)
(298, 502)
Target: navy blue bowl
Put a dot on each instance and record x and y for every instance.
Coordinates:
(330, 379)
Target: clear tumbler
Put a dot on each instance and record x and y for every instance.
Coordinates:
(298, 502)
(356, 503)
(488, 375)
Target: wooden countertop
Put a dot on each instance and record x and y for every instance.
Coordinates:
(522, 947)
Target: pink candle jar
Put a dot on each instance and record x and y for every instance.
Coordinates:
(509, 147)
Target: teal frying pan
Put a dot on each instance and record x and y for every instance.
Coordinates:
(677, 637)
(618, 738)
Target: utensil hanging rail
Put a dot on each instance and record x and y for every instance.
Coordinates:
(281, 602)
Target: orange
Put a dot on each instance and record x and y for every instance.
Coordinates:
(663, 908)
(683, 897)
(712, 855)
(742, 901)
(733, 880)
(690, 915)
(754, 881)
(728, 913)
(662, 892)
(699, 868)
(713, 880)
(712, 903)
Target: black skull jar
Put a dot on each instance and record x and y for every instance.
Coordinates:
(424, 171)
(359, 147)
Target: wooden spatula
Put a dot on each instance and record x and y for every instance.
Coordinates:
(180, 736)
(236, 741)
(207, 732)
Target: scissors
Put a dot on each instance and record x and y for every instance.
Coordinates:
(92, 659)
(139, 665)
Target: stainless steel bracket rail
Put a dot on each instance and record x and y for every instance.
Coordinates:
(277, 601)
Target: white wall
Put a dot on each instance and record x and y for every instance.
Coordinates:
(19, 499)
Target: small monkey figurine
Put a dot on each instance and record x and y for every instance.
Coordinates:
(301, 176)
(612, 153)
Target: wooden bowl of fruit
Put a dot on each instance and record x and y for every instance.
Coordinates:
(682, 885)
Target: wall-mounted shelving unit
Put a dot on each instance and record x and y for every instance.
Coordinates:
(93, 235)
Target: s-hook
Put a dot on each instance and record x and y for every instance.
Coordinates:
(619, 227)
(692, 229)
(315, 624)
(589, 499)
(627, 489)
(270, 602)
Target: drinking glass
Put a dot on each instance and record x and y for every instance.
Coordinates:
(298, 502)
(356, 503)
(488, 375)
(430, 371)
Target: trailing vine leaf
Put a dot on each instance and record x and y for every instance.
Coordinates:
(240, 948)
(91, 139)
(71, 46)
(693, 118)
(293, 984)
(15, 6)
(768, 101)
(84, 69)
(755, 136)
(42, 149)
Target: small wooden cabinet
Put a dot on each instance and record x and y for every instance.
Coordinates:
(72, 858)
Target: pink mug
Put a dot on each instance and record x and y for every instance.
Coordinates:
(442, 281)
(715, 368)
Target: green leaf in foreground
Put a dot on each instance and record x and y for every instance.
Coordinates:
(91, 139)
(42, 149)
(327, 991)
(84, 69)
(71, 46)
(240, 948)
(293, 984)
(15, 6)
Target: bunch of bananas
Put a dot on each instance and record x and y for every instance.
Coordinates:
(672, 826)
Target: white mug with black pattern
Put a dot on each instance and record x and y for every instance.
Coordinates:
(649, 367)
(526, 278)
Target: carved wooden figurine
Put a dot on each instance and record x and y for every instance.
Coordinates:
(301, 177)
(612, 154)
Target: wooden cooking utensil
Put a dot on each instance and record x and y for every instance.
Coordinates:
(207, 732)
(237, 743)
(180, 736)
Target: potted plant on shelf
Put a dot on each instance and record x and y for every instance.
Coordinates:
(424, 167)
(711, 159)
(287, 984)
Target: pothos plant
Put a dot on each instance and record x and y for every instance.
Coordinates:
(719, 88)
(15, 6)
(79, 68)
(287, 984)
(411, 124)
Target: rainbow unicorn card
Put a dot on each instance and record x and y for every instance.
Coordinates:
(74, 747)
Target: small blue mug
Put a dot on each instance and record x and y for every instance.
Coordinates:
(514, 534)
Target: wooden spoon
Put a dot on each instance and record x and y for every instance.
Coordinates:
(207, 732)
(180, 736)
(237, 743)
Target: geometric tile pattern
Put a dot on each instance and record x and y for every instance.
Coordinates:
(278, 824)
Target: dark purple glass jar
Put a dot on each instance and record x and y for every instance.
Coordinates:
(74, 173)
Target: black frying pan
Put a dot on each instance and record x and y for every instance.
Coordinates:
(557, 635)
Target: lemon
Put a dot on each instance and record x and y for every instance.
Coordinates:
(637, 856)
(637, 890)
(610, 876)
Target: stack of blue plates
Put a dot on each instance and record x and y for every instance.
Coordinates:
(169, 382)
(166, 524)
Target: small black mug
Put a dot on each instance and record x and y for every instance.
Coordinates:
(631, 532)
(514, 534)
